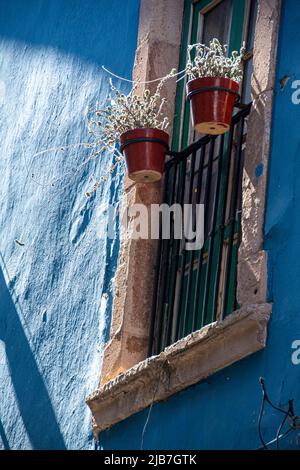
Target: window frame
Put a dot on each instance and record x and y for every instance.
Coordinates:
(193, 24)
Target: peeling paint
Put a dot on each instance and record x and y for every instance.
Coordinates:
(259, 170)
(283, 81)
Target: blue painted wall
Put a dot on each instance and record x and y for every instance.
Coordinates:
(56, 284)
(222, 412)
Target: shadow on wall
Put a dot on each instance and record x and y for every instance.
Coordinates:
(72, 27)
(3, 437)
(30, 390)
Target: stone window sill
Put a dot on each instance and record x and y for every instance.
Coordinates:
(182, 364)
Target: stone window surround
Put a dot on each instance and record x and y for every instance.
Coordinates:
(129, 380)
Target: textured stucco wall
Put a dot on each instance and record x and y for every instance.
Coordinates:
(56, 286)
(222, 412)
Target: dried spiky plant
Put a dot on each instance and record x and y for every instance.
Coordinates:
(212, 61)
(128, 112)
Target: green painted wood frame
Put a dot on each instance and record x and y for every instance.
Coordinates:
(181, 127)
(191, 13)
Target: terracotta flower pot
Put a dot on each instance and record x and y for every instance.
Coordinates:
(212, 101)
(145, 153)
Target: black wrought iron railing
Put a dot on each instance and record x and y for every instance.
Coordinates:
(197, 287)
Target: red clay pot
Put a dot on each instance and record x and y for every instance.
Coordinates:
(145, 159)
(212, 109)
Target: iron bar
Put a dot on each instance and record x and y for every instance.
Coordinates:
(220, 245)
(156, 314)
(232, 217)
(190, 195)
(174, 255)
(211, 238)
(206, 209)
(189, 283)
(177, 248)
